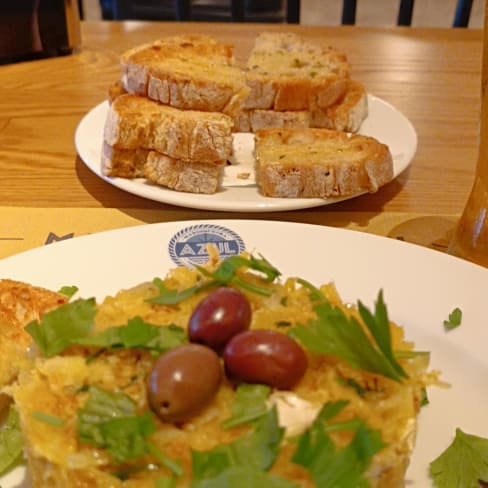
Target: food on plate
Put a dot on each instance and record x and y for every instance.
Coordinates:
(181, 149)
(287, 72)
(20, 303)
(346, 114)
(308, 388)
(293, 84)
(193, 72)
(319, 163)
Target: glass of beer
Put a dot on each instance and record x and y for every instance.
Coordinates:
(470, 239)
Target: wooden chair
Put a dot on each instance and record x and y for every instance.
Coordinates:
(185, 10)
(405, 12)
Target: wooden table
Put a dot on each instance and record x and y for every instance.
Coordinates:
(431, 75)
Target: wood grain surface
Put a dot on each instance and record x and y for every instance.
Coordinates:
(431, 75)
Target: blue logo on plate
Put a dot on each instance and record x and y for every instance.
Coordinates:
(189, 246)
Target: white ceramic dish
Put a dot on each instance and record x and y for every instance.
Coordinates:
(384, 122)
(421, 287)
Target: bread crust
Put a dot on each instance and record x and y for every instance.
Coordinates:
(319, 163)
(285, 72)
(185, 176)
(137, 122)
(188, 72)
(192, 177)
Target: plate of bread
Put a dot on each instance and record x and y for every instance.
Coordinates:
(367, 394)
(185, 124)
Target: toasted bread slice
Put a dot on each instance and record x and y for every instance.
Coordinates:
(255, 119)
(125, 163)
(347, 114)
(20, 303)
(191, 177)
(186, 176)
(285, 72)
(192, 72)
(135, 122)
(319, 163)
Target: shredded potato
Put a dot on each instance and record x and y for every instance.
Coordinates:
(57, 386)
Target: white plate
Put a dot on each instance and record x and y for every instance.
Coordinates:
(384, 122)
(421, 287)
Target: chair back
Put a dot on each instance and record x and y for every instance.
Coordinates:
(253, 10)
(405, 12)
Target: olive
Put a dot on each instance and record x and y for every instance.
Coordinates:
(182, 381)
(219, 316)
(265, 356)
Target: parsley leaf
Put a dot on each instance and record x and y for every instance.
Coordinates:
(68, 291)
(249, 404)
(167, 296)
(108, 420)
(337, 467)
(333, 333)
(257, 450)
(10, 441)
(138, 334)
(61, 326)
(463, 464)
(244, 477)
(72, 323)
(454, 320)
(225, 274)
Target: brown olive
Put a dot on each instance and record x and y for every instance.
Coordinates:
(219, 316)
(182, 381)
(265, 356)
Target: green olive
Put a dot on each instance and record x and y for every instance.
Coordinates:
(183, 381)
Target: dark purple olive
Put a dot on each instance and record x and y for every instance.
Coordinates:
(218, 317)
(265, 356)
(182, 381)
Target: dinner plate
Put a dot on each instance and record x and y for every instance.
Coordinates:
(421, 287)
(237, 194)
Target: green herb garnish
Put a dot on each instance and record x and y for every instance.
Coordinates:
(10, 441)
(72, 323)
(332, 466)
(333, 333)
(68, 291)
(257, 450)
(225, 274)
(62, 326)
(138, 334)
(454, 320)
(244, 477)
(249, 404)
(463, 464)
(109, 421)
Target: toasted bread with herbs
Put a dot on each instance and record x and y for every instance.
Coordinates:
(193, 72)
(285, 72)
(319, 163)
(347, 114)
(136, 122)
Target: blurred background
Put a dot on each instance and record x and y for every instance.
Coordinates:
(427, 13)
